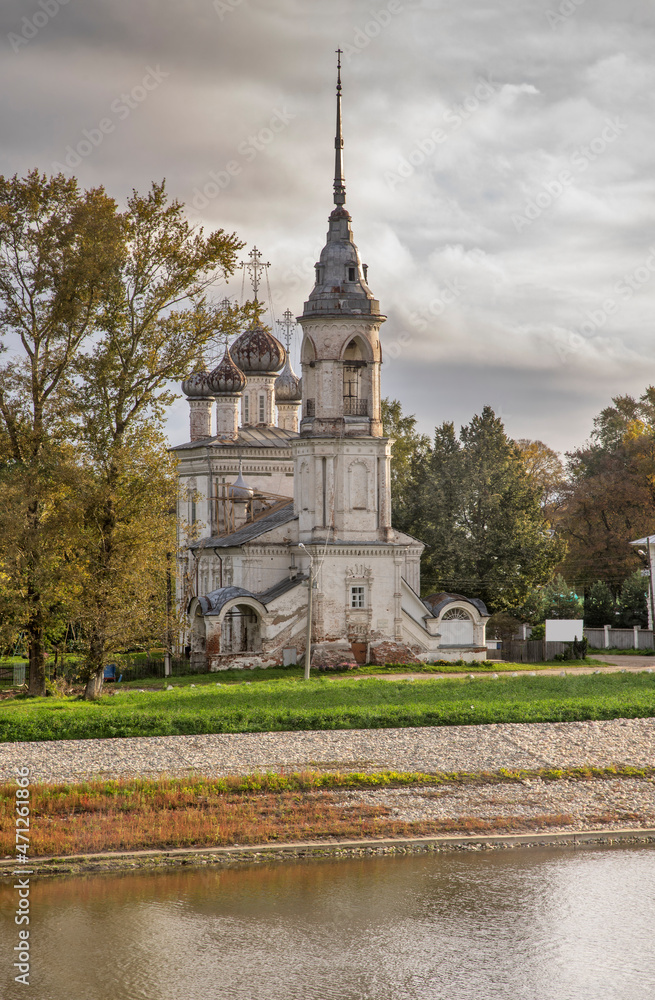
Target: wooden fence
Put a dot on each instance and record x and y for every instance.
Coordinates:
(531, 650)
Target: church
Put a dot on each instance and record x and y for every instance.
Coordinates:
(285, 484)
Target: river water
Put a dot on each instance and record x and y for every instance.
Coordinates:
(523, 924)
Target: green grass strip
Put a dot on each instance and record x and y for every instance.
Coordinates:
(323, 704)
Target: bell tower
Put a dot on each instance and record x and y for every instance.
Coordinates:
(342, 460)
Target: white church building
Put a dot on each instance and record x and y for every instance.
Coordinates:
(297, 472)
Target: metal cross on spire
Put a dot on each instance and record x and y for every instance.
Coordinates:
(286, 324)
(339, 182)
(255, 267)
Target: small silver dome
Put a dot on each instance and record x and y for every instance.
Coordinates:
(258, 351)
(239, 489)
(197, 385)
(288, 387)
(226, 379)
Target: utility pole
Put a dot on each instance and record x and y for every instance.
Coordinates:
(169, 608)
(310, 584)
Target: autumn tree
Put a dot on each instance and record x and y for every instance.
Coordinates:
(610, 496)
(546, 471)
(152, 328)
(57, 255)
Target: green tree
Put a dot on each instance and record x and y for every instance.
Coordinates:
(632, 606)
(154, 325)
(58, 250)
(408, 458)
(481, 517)
(560, 600)
(599, 606)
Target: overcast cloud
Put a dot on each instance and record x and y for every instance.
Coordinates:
(498, 158)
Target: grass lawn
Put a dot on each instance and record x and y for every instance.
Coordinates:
(344, 702)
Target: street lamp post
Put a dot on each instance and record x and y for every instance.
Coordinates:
(646, 556)
(651, 585)
(310, 585)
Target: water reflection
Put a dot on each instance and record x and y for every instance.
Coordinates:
(521, 925)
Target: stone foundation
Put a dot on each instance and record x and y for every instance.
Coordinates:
(391, 652)
(336, 655)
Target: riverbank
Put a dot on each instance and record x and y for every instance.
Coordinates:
(232, 794)
(150, 819)
(229, 857)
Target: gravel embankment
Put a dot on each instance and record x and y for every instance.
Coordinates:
(454, 748)
(534, 804)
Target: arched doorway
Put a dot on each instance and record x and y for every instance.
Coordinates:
(240, 632)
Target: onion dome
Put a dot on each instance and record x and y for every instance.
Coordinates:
(239, 489)
(226, 379)
(258, 351)
(288, 387)
(197, 385)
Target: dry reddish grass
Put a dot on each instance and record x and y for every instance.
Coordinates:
(168, 813)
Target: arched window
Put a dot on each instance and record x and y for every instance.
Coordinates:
(456, 628)
(354, 404)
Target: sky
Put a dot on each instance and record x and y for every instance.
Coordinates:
(498, 163)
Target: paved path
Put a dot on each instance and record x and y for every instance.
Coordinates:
(448, 748)
(609, 665)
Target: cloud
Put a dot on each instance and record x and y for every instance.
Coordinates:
(445, 231)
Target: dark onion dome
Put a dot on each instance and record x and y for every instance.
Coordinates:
(226, 379)
(197, 385)
(288, 387)
(258, 351)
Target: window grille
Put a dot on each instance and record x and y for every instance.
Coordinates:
(456, 615)
(357, 597)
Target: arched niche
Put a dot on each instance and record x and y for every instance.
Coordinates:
(308, 352)
(303, 486)
(356, 349)
(358, 485)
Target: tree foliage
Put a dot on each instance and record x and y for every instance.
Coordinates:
(559, 600)
(58, 251)
(610, 497)
(477, 508)
(409, 455)
(599, 606)
(632, 606)
(100, 310)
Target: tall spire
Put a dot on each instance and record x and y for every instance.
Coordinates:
(339, 183)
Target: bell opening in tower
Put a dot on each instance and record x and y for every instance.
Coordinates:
(354, 403)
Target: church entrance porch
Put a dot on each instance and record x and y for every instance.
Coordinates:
(240, 632)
